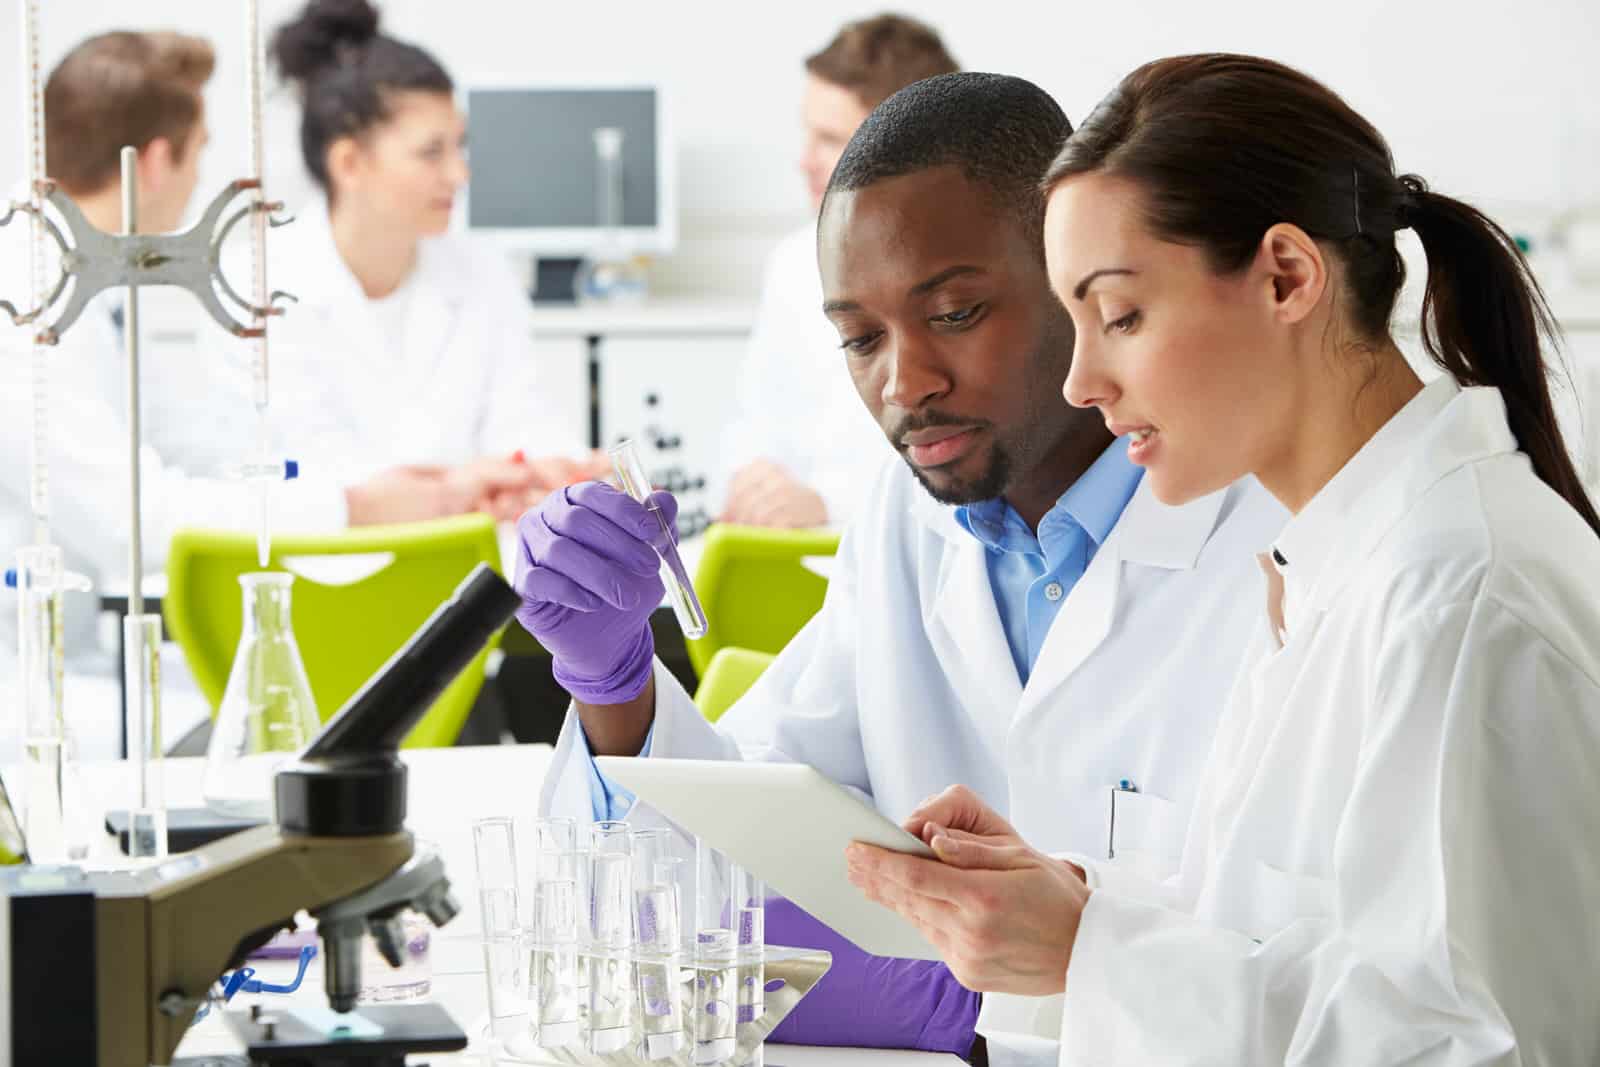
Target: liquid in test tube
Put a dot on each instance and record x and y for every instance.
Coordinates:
(633, 480)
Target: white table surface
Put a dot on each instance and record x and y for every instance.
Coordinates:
(449, 788)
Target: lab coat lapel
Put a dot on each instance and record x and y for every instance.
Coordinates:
(963, 624)
(430, 320)
(1149, 533)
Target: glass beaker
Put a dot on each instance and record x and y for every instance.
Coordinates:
(267, 711)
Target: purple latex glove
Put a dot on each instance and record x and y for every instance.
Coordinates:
(589, 579)
(871, 1001)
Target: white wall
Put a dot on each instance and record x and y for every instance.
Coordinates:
(1496, 102)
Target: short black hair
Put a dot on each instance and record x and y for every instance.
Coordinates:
(1002, 132)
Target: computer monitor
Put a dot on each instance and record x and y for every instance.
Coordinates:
(534, 168)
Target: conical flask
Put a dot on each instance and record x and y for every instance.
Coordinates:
(267, 711)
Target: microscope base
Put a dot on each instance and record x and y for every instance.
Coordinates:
(406, 1028)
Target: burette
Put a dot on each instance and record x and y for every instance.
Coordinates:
(39, 354)
(258, 288)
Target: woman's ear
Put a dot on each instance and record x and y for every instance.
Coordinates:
(344, 159)
(1297, 269)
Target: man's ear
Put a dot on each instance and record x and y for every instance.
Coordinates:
(157, 160)
(1297, 269)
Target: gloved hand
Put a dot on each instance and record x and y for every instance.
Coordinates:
(871, 1001)
(589, 578)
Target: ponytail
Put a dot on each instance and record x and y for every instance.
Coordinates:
(1483, 318)
(1223, 147)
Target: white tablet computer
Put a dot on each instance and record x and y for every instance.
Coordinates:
(787, 824)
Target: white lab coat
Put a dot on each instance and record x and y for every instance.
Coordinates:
(903, 684)
(88, 465)
(463, 385)
(796, 402)
(1396, 853)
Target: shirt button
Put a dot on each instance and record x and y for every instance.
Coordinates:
(1052, 592)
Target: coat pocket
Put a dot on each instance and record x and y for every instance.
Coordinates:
(1146, 833)
(1280, 898)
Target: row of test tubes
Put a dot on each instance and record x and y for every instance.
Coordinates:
(613, 940)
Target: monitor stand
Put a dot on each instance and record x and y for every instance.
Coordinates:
(555, 280)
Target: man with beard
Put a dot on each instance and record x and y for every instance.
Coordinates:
(1012, 610)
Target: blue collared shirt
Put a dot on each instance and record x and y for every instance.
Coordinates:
(1032, 575)
(608, 799)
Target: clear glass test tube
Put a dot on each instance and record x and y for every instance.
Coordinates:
(147, 812)
(749, 910)
(715, 958)
(554, 996)
(659, 871)
(495, 853)
(504, 948)
(39, 581)
(541, 842)
(633, 480)
(610, 956)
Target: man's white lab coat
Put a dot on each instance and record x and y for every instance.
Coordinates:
(89, 477)
(1395, 857)
(904, 684)
(88, 463)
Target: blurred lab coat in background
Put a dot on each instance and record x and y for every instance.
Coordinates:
(904, 684)
(442, 371)
(797, 405)
(89, 492)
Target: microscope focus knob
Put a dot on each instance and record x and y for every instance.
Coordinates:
(389, 934)
(438, 905)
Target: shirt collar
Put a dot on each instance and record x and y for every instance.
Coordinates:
(1092, 503)
(1311, 537)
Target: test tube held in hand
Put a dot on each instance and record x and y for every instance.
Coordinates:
(633, 480)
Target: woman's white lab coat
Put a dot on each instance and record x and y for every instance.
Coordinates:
(1395, 856)
(462, 384)
(797, 405)
(903, 684)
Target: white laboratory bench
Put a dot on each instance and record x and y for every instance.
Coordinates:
(449, 789)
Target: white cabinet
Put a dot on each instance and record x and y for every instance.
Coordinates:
(674, 396)
(662, 374)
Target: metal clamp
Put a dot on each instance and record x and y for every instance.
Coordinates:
(95, 260)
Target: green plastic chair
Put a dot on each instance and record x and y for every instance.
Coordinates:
(756, 592)
(730, 673)
(346, 629)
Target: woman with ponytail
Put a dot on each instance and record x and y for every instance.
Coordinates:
(409, 344)
(1395, 854)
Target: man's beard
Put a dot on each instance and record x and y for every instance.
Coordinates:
(986, 485)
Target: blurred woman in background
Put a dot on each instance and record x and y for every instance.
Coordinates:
(409, 345)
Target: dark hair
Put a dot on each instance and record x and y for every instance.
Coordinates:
(344, 68)
(120, 89)
(1224, 147)
(1000, 131)
(877, 57)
